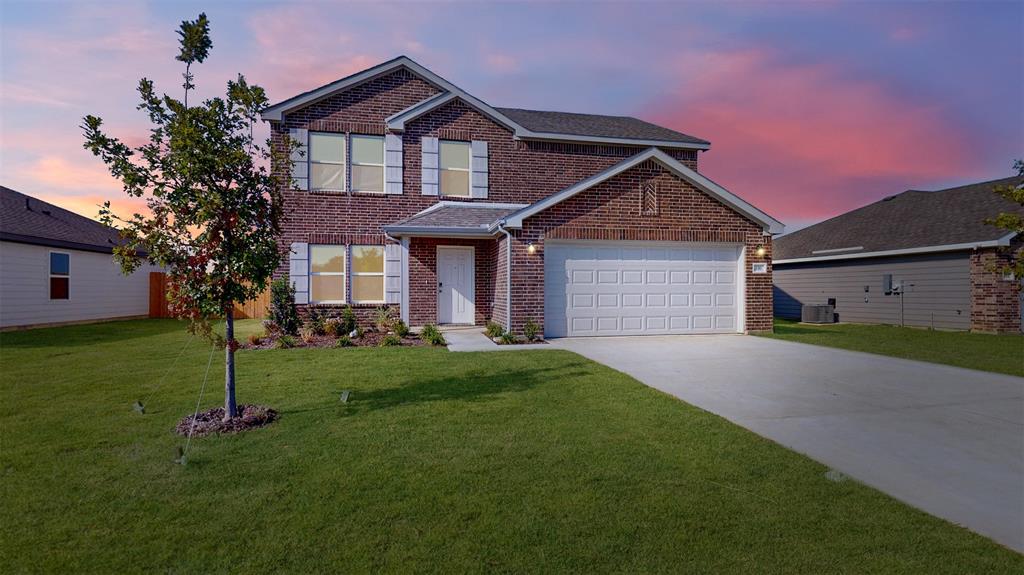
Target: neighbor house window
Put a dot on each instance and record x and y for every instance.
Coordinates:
(367, 163)
(327, 274)
(60, 275)
(327, 161)
(454, 168)
(367, 274)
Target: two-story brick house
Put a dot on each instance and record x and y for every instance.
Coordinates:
(409, 192)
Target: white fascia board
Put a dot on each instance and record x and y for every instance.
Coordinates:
(770, 224)
(436, 232)
(451, 204)
(1001, 242)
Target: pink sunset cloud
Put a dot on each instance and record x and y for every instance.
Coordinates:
(805, 139)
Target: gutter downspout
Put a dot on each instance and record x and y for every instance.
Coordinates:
(508, 275)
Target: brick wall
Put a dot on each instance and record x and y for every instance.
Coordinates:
(519, 172)
(995, 301)
(613, 210)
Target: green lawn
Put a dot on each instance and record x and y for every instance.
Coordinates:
(530, 461)
(998, 353)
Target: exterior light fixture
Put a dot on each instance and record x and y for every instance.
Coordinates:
(532, 249)
(760, 250)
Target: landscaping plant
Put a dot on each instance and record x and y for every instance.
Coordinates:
(1012, 221)
(390, 340)
(283, 313)
(316, 319)
(343, 341)
(400, 328)
(507, 338)
(531, 330)
(382, 318)
(285, 342)
(349, 322)
(432, 335)
(214, 210)
(494, 329)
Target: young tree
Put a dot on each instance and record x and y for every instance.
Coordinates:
(1013, 221)
(215, 210)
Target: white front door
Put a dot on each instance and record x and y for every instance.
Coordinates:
(455, 285)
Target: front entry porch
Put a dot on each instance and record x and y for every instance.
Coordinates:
(450, 281)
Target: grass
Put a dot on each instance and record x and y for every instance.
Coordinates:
(530, 461)
(996, 353)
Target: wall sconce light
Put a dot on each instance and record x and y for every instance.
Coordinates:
(531, 249)
(760, 250)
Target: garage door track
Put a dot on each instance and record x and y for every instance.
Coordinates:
(947, 440)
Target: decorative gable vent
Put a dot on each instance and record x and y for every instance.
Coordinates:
(649, 198)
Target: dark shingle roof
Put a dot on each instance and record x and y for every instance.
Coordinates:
(467, 217)
(25, 219)
(595, 125)
(913, 219)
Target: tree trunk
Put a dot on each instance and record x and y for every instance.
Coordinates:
(230, 409)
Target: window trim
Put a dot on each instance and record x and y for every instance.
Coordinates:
(353, 273)
(383, 169)
(468, 171)
(345, 154)
(50, 275)
(343, 273)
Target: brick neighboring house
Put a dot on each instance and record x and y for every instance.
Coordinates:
(936, 245)
(409, 192)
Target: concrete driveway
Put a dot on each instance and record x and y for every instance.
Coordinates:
(947, 440)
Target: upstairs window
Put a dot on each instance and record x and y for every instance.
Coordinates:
(367, 274)
(367, 163)
(60, 275)
(327, 161)
(326, 274)
(454, 168)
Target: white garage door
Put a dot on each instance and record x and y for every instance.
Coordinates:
(640, 288)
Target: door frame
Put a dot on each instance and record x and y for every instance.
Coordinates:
(471, 251)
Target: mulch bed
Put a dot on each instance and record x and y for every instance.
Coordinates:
(368, 339)
(212, 420)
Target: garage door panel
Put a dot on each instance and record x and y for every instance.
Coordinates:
(609, 289)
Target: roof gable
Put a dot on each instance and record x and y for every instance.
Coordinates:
(943, 220)
(770, 224)
(558, 126)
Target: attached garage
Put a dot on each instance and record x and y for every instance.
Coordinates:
(642, 288)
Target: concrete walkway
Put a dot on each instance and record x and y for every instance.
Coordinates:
(947, 440)
(473, 339)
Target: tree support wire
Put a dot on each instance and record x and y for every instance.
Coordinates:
(182, 458)
(140, 406)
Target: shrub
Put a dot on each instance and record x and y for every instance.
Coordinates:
(282, 307)
(432, 335)
(285, 342)
(332, 327)
(358, 331)
(390, 341)
(307, 333)
(317, 320)
(494, 329)
(255, 338)
(343, 341)
(349, 322)
(382, 318)
(531, 329)
(401, 330)
(507, 338)
(270, 327)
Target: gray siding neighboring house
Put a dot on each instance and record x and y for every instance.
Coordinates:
(56, 268)
(938, 292)
(935, 244)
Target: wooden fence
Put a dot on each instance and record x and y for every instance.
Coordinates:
(252, 309)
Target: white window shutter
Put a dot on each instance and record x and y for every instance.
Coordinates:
(430, 164)
(393, 164)
(300, 158)
(478, 170)
(393, 273)
(298, 271)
